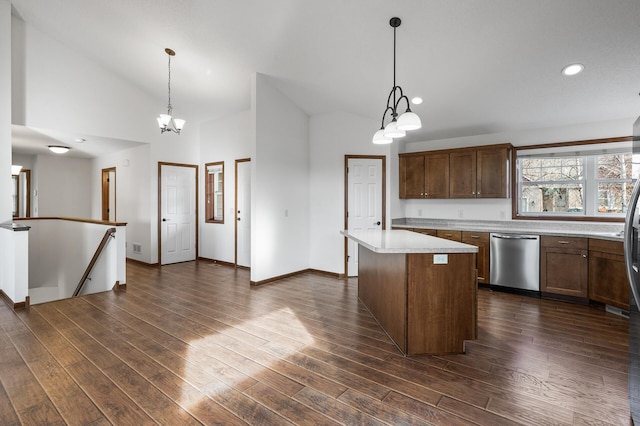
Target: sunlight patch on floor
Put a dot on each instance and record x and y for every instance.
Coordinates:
(220, 362)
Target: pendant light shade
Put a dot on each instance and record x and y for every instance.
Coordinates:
(399, 124)
(409, 121)
(391, 130)
(380, 139)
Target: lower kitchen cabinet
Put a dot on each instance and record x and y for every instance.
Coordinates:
(449, 235)
(564, 267)
(480, 240)
(430, 232)
(608, 282)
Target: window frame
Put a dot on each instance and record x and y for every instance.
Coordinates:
(211, 193)
(589, 179)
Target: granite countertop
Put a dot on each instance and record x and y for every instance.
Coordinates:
(606, 231)
(401, 241)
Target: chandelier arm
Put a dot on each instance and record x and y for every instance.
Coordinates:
(400, 100)
(384, 115)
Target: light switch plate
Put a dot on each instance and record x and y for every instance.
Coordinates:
(440, 259)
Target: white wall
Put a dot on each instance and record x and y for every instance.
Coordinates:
(68, 92)
(133, 199)
(327, 180)
(5, 112)
(496, 209)
(280, 223)
(63, 186)
(227, 140)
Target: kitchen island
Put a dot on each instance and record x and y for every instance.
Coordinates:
(422, 290)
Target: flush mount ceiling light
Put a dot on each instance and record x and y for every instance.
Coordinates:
(573, 69)
(166, 121)
(58, 149)
(398, 126)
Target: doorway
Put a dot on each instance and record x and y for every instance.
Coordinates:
(109, 194)
(243, 213)
(365, 201)
(177, 213)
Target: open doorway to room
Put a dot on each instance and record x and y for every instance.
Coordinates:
(109, 194)
(177, 212)
(365, 201)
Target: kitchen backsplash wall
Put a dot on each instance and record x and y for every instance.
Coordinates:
(473, 209)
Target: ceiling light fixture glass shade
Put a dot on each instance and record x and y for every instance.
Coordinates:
(380, 139)
(391, 130)
(399, 124)
(58, 149)
(165, 121)
(572, 69)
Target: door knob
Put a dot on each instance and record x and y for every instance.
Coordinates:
(377, 223)
(238, 219)
(164, 219)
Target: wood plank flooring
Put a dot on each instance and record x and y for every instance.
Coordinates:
(192, 343)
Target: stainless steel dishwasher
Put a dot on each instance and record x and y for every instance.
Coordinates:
(515, 261)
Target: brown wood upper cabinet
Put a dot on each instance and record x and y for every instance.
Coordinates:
(477, 172)
(424, 175)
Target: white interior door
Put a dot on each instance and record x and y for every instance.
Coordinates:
(243, 213)
(178, 211)
(364, 187)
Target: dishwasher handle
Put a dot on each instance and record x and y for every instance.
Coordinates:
(514, 237)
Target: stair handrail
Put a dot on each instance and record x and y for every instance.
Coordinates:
(105, 239)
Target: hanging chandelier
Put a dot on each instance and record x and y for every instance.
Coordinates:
(166, 121)
(398, 126)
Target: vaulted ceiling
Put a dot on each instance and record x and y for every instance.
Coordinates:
(482, 67)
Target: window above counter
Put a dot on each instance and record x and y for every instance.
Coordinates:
(585, 180)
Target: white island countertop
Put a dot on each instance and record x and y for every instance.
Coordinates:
(399, 241)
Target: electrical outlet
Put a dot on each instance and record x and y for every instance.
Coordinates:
(286, 213)
(419, 212)
(503, 215)
(460, 214)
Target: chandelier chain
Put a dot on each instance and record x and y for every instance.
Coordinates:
(169, 108)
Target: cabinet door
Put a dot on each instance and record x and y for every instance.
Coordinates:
(412, 178)
(462, 180)
(480, 240)
(564, 271)
(430, 232)
(608, 281)
(437, 175)
(492, 173)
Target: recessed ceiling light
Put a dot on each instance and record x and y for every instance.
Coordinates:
(572, 69)
(58, 149)
(417, 100)
(80, 140)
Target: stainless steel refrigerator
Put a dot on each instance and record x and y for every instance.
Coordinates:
(632, 260)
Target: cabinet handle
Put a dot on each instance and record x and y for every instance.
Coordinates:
(475, 236)
(563, 242)
(584, 255)
(473, 192)
(478, 193)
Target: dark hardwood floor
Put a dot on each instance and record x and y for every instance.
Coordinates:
(192, 343)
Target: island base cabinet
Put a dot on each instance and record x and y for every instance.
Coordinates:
(382, 289)
(442, 303)
(425, 305)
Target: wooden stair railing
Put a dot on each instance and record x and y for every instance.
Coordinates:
(108, 234)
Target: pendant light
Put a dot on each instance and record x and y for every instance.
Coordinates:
(166, 121)
(398, 126)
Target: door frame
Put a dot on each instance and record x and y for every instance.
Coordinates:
(235, 211)
(347, 157)
(159, 220)
(105, 192)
